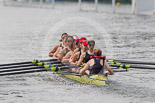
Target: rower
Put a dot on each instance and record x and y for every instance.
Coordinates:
(59, 45)
(69, 41)
(96, 64)
(77, 43)
(77, 55)
(68, 56)
(80, 43)
(78, 49)
(56, 54)
(85, 57)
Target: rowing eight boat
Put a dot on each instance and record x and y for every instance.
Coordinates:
(86, 79)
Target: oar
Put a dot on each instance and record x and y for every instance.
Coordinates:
(31, 62)
(29, 68)
(28, 65)
(131, 62)
(133, 66)
(45, 68)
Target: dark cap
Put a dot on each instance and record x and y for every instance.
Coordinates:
(91, 43)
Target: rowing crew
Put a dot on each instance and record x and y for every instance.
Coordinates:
(80, 52)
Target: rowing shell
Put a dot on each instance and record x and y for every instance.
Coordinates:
(85, 79)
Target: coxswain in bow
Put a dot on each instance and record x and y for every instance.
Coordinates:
(96, 65)
(59, 45)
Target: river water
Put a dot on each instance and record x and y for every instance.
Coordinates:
(30, 33)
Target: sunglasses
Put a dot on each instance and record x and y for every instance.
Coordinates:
(76, 43)
(69, 40)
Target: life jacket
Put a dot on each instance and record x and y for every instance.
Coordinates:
(97, 67)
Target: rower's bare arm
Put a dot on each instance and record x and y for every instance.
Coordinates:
(59, 53)
(75, 51)
(56, 53)
(60, 56)
(71, 56)
(66, 57)
(73, 60)
(53, 50)
(109, 68)
(81, 59)
(85, 68)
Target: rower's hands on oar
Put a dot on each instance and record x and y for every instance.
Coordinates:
(50, 54)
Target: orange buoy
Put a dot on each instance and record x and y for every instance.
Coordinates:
(118, 4)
